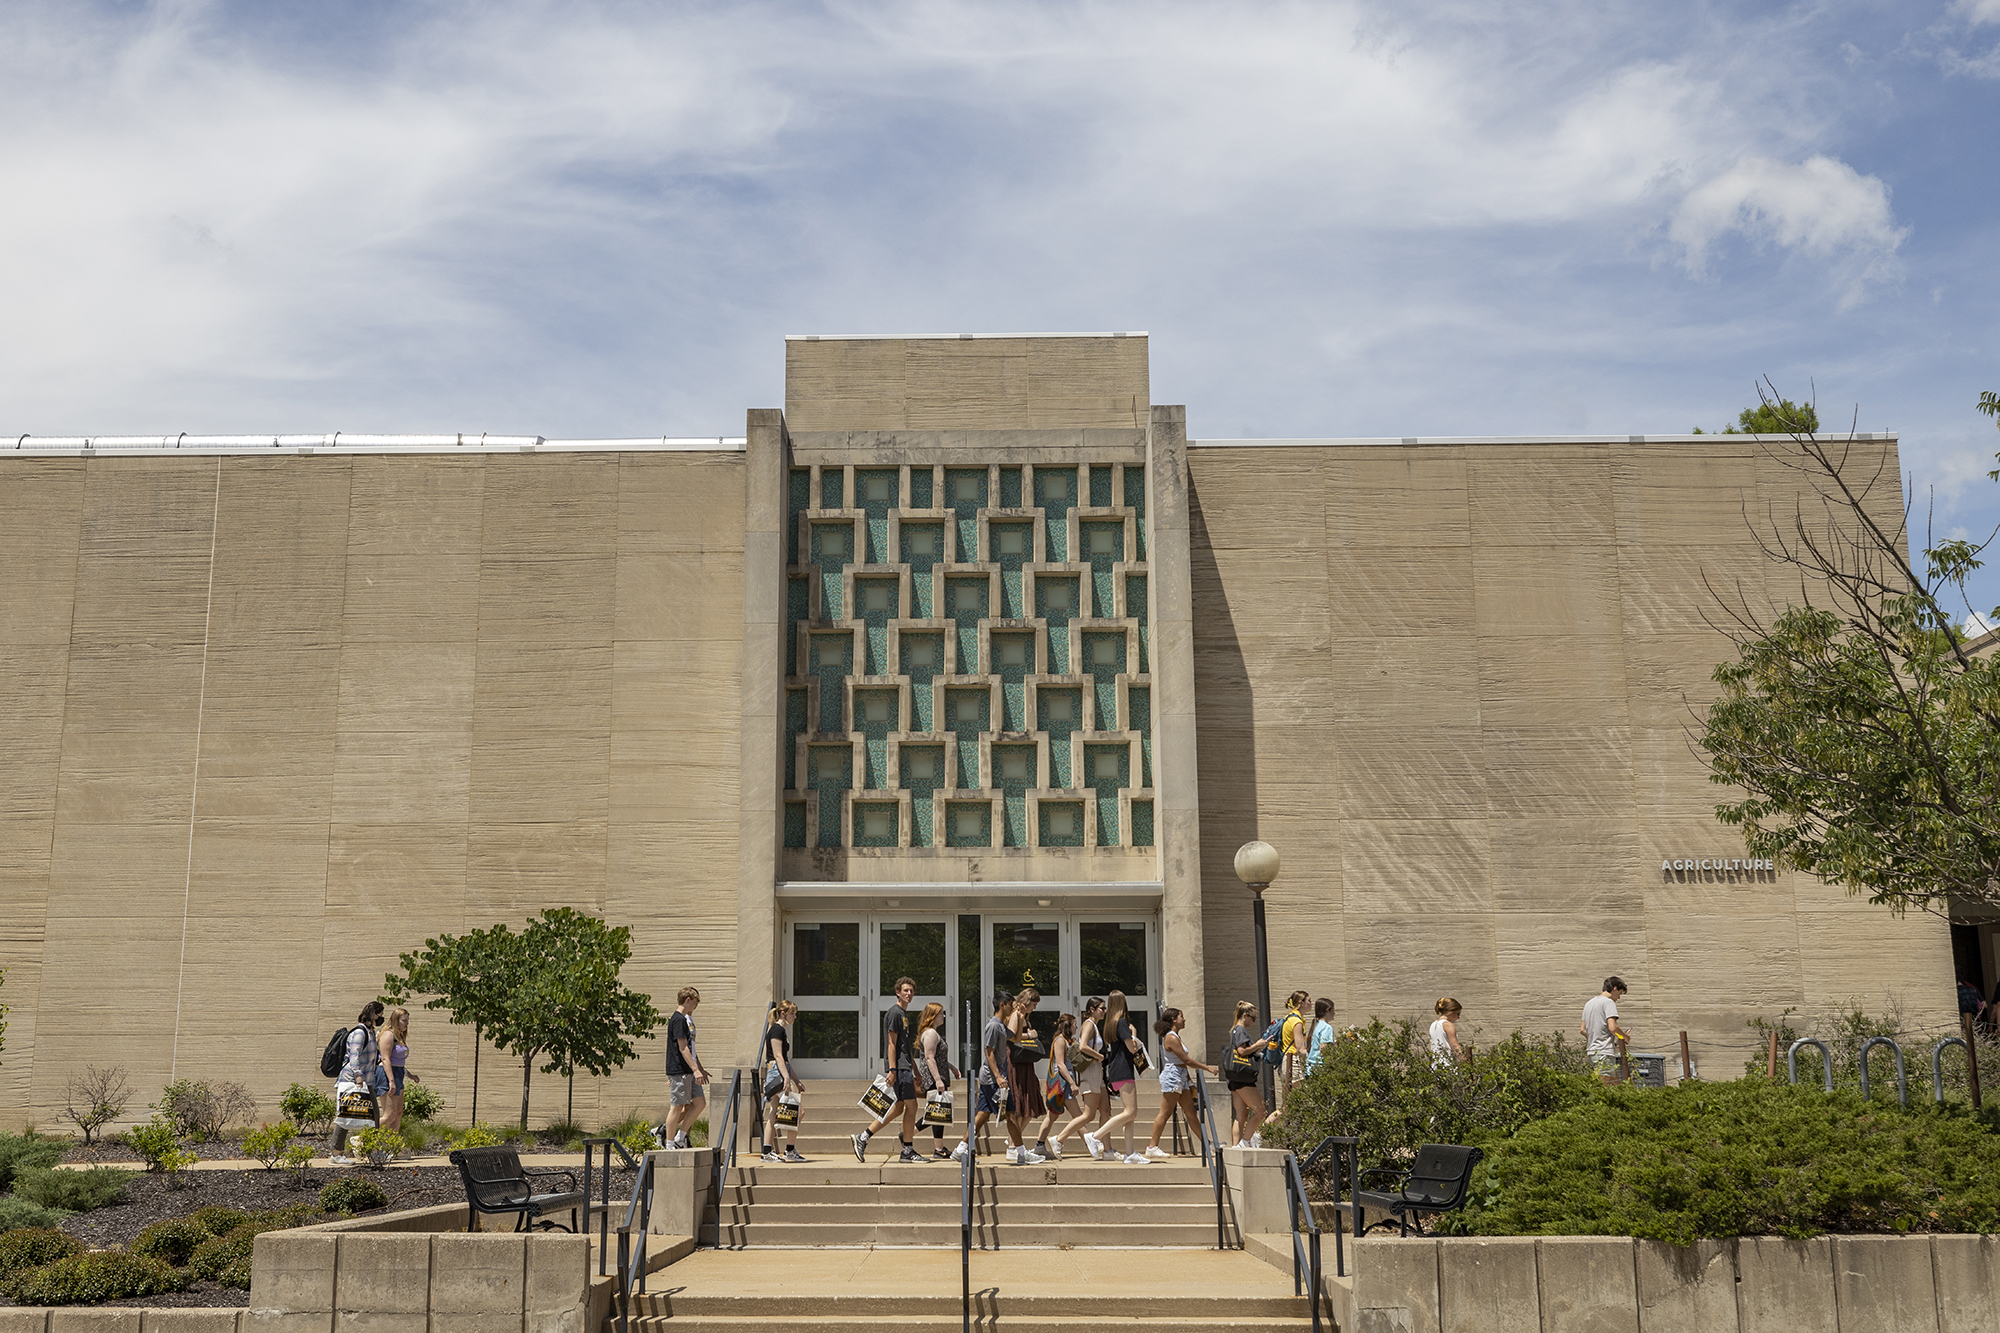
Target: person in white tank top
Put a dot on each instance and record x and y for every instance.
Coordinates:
(1445, 1049)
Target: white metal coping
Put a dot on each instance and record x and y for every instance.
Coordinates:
(1382, 441)
(1024, 888)
(944, 337)
(341, 442)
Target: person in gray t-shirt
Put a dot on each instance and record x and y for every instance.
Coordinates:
(993, 1047)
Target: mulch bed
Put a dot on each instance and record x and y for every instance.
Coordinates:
(112, 1152)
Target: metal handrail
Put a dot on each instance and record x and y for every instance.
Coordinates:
(965, 1179)
(1213, 1160)
(603, 1206)
(1825, 1060)
(723, 1149)
(1937, 1063)
(1902, 1075)
(1350, 1149)
(1305, 1259)
(632, 1267)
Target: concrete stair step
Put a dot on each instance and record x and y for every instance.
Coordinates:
(1085, 1173)
(984, 1196)
(800, 1235)
(889, 1212)
(1074, 1306)
(952, 1323)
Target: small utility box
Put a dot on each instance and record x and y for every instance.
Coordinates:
(1649, 1071)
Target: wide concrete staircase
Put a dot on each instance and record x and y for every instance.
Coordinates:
(992, 1309)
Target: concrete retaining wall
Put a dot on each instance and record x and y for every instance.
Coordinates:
(1608, 1284)
(403, 1282)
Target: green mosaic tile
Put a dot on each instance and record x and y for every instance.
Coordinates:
(965, 496)
(795, 726)
(1135, 498)
(874, 824)
(966, 602)
(878, 598)
(832, 660)
(923, 777)
(968, 713)
(830, 771)
(832, 549)
(1135, 609)
(1055, 496)
(920, 488)
(798, 607)
(1109, 772)
(1014, 661)
(923, 551)
(1010, 488)
(1139, 709)
(1103, 546)
(923, 662)
(1061, 717)
(1142, 823)
(875, 495)
(798, 499)
(1100, 486)
(1062, 824)
(1104, 662)
(968, 825)
(832, 488)
(875, 717)
(1014, 773)
(1055, 604)
(1013, 547)
(795, 824)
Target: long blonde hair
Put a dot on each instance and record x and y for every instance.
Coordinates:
(397, 1023)
(1115, 1008)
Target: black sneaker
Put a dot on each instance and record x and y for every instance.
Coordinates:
(792, 1154)
(943, 1154)
(910, 1154)
(860, 1142)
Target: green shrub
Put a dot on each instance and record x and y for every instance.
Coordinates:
(172, 1240)
(16, 1212)
(418, 1136)
(1715, 1160)
(420, 1103)
(22, 1152)
(268, 1144)
(228, 1249)
(234, 1274)
(217, 1219)
(296, 1159)
(1380, 1084)
(376, 1140)
(73, 1191)
(199, 1111)
(160, 1144)
(307, 1107)
(31, 1247)
(638, 1140)
(479, 1136)
(1844, 1033)
(89, 1279)
(352, 1194)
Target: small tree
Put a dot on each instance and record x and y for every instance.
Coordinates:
(469, 976)
(95, 1098)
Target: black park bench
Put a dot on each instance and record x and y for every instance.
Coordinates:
(1435, 1183)
(496, 1182)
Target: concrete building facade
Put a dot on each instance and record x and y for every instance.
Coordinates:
(967, 664)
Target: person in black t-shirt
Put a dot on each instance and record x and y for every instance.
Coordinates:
(899, 1057)
(779, 1079)
(1121, 1039)
(685, 1076)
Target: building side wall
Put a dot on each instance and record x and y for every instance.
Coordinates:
(1450, 685)
(887, 384)
(281, 719)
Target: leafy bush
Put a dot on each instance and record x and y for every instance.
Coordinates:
(226, 1255)
(159, 1144)
(479, 1136)
(1739, 1159)
(307, 1107)
(296, 1159)
(268, 1144)
(88, 1279)
(172, 1240)
(420, 1103)
(1844, 1033)
(16, 1212)
(1380, 1084)
(95, 1098)
(218, 1219)
(73, 1191)
(372, 1141)
(199, 1111)
(417, 1135)
(638, 1140)
(352, 1194)
(235, 1274)
(26, 1248)
(20, 1152)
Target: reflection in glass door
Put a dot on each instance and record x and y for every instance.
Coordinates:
(919, 950)
(823, 974)
(1118, 955)
(1029, 953)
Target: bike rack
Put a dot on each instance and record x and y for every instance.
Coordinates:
(1825, 1060)
(1937, 1063)
(1902, 1076)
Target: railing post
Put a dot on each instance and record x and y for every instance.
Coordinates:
(1971, 1059)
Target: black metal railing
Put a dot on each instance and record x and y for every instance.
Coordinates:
(1211, 1156)
(1305, 1237)
(601, 1203)
(722, 1146)
(632, 1266)
(1346, 1170)
(966, 1176)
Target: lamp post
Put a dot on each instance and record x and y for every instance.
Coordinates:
(1257, 866)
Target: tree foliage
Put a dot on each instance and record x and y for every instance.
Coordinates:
(550, 992)
(1863, 734)
(1780, 417)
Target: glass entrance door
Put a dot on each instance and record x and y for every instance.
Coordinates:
(823, 974)
(919, 948)
(1115, 954)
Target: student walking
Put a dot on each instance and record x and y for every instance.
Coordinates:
(1061, 1090)
(361, 1071)
(1445, 1049)
(779, 1080)
(1293, 1035)
(396, 1050)
(934, 1070)
(1322, 1034)
(992, 1094)
(1087, 1058)
(1176, 1084)
(1024, 1085)
(900, 1059)
(1245, 1078)
(685, 1075)
(1602, 1037)
(1121, 1076)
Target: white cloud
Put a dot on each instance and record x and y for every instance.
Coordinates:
(1821, 207)
(1976, 12)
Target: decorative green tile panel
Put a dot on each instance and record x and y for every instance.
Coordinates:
(874, 824)
(1014, 773)
(1013, 662)
(968, 715)
(1055, 496)
(832, 488)
(1135, 498)
(923, 776)
(1061, 717)
(1013, 547)
(1139, 718)
(923, 662)
(1142, 823)
(1104, 662)
(920, 487)
(1103, 546)
(795, 823)
(830, 772)
(1135, 609)
(968, 824)
(1055, 603)
(796, 723)
(833, 662)
(876, 497)
(966, 599)
(1100, 486)
(923, 551)
(1110, 772)
(832, 549)
(798, 607)
(965, 496)
(1062, 824)
(1010, 488)
(875, 716)
(798, 499)
(878, 598)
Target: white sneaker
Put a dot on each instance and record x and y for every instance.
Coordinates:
(1136, 1160)
(1156, 1154)
(1055, 1149)
(960, 1151)
(1095, 1144)
(1029, 1157)
(1243, 1143)
(1257, 1140)
(1014, 1156)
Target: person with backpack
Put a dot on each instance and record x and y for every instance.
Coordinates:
(1061, 1089)
(1177, 1090)
(1243, 1071)
(1292, 1035)
(360, 1072)
(1124, 1052)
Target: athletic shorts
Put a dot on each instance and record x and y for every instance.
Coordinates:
(906, 1086)
(988, 1100)
(682, 1090)
(1123, 1087)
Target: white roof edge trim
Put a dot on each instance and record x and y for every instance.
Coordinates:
(945, 337)
(341, 442)
(1393, 440)
(964, 887)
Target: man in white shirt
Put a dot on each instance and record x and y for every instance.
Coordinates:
(1602, 1037)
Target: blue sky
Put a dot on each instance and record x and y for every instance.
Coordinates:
(1335, 219)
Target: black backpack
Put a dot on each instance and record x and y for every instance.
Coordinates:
(335, 1055)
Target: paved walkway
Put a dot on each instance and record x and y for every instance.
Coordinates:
(892, 1270)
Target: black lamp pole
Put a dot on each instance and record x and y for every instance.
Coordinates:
(1263, 980)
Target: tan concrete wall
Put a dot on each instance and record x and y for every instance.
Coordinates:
(270, 722)
(877, 384)
(1449, 684)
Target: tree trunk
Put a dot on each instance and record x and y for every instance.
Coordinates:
(475, 1073)
(527, 1068)
(570, 1115)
